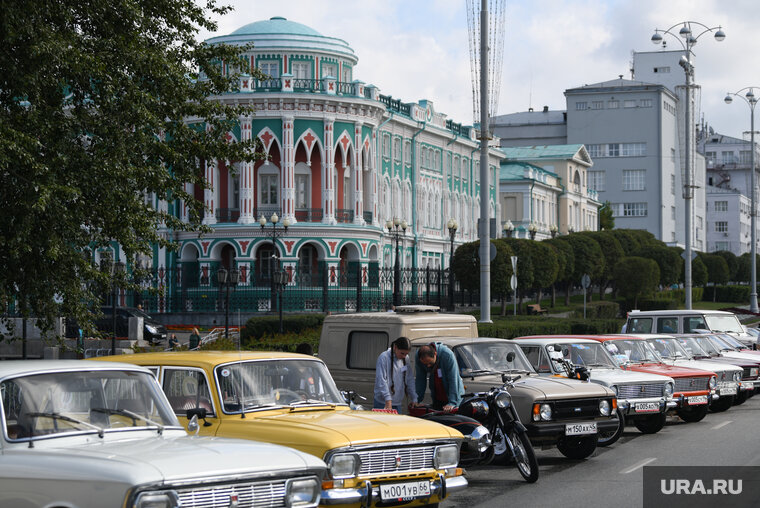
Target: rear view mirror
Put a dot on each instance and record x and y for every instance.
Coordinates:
(511, 357)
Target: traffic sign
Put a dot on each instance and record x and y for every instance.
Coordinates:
(585, 281)
(514, 263)
(513, 282)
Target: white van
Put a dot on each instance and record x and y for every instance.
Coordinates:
(687, 321)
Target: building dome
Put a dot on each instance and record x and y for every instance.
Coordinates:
(276, 25)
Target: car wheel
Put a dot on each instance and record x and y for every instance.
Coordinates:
(692, 414)
(609, 437)
(741, 398)
(722, 404)
(577, 448)
(650, 424)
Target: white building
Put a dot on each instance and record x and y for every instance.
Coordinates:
(728, 220)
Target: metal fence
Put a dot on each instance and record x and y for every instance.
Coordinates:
(352, 287)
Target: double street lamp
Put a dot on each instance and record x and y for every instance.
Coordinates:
(687, 38)
(508, 228)
(751, 101)
(276, 276)
(532, 229)
(228, 279)
(397, 229)
(452, 227)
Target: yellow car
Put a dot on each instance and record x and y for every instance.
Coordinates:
(373, 458)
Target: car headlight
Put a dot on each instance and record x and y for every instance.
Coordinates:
(713, 382)
(546, 412)
(503, 400)
(345, 465)
(737, 376)
(151, 328)
(302, 492)
(162, 499)
(614, 389)
(446, 456)
(753, 372)
(668, 390)
(604, 407)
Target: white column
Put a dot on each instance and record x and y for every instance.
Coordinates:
(209, 198)
(287, 176)
(328, 174)
(358, 186)
(374, 181)
(246, 177)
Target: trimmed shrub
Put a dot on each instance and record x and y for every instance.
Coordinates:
(727, 293)
(516, 327)
(257, 328)
(599, 310)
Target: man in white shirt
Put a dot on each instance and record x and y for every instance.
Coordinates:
(394, 377)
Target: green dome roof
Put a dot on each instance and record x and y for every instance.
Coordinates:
(276, 25)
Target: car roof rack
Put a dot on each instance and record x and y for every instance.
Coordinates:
(417, 308)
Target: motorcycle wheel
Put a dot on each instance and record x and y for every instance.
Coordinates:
(650, 424)
(525, 456)
(693, 414)
(722, 404)
(607, 438)
(741, 397)
(578, 447)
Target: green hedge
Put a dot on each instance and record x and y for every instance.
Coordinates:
(727, 293)
(653, 304)
(516, 327)
(599, 310)
(257, 328)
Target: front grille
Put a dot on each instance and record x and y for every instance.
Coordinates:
(396, 460)
(646, 391)
(690, 384)
(746, 375)
(575, 408)
(270, 494)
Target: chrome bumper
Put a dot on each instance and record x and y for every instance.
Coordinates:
(369, 494)
(626, 406)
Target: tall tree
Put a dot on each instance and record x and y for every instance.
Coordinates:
(95, 100)
(566, 267)
(588, 256)
(636, 277)
(606, 219)
(612, 251)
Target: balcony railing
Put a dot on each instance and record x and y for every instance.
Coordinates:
(309, 214)
(367, 217)
(227, 214)
(344, 215)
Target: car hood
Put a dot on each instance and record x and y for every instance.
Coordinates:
(619, 376)
(706, 365)
(316, 431)
(541, 387)
(664, 370)
(156, 459)
(737, 362)
(738, 355)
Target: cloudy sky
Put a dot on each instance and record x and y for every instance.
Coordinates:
(418, 49)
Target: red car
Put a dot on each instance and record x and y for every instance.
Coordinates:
(694, 388)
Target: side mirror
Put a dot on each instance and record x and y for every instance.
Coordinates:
(197, 413)
(192, 425)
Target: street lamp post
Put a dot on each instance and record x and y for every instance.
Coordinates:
(553, 230)
(275, 233)
(508, 228)
(117, 268)
(397, 229)
(688, 40)
(227, 279)
(751, 101)
(532, 228)
(280, 281)
(452, 226)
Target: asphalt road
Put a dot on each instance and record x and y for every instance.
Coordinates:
(613, 476)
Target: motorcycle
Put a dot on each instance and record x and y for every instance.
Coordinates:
(508, 436)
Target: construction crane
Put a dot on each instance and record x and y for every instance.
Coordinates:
(496, 23)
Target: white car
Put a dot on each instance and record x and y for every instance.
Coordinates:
(642, 398)
(88, 434)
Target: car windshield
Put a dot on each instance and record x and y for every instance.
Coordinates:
(484, 356)
(246, 386)
(631, 350)
(99, 401)
(732, 342)
(669, 349)
(708, 345)
(692, 347)
(724, 323)
(720, 342)
(587, 355)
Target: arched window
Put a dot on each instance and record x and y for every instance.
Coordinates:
(269, 186)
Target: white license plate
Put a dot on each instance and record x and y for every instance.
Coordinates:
(647, 407)
(408, 490)
(728, 391)
(697, 400)
(575, 429)
(748, 385)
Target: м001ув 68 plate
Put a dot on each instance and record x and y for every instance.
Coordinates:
(575, 429)
(406, 490)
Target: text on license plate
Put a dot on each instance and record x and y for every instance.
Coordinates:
(696, 400)
(646, 407)
(574, 429)
(748, 385)
(728, 390)
(405, 490)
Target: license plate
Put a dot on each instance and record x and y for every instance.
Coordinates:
(647, 407)
(748, 385)
(697, 400)
(408, 490)
(575, 429)
(728, 391)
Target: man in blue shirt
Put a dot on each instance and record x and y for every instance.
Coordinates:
(436, 366)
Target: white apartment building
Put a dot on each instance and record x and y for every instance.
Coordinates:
(728, 220)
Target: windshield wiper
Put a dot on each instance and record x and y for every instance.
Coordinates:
(601, 364)
(129, 414)
(59, 416)
(309, 402)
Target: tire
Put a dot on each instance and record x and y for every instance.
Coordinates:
(722, 404)
(577, 448)
(693, 414)
(650, 424)
(525, 456)
(607, 438)
(741, 398)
